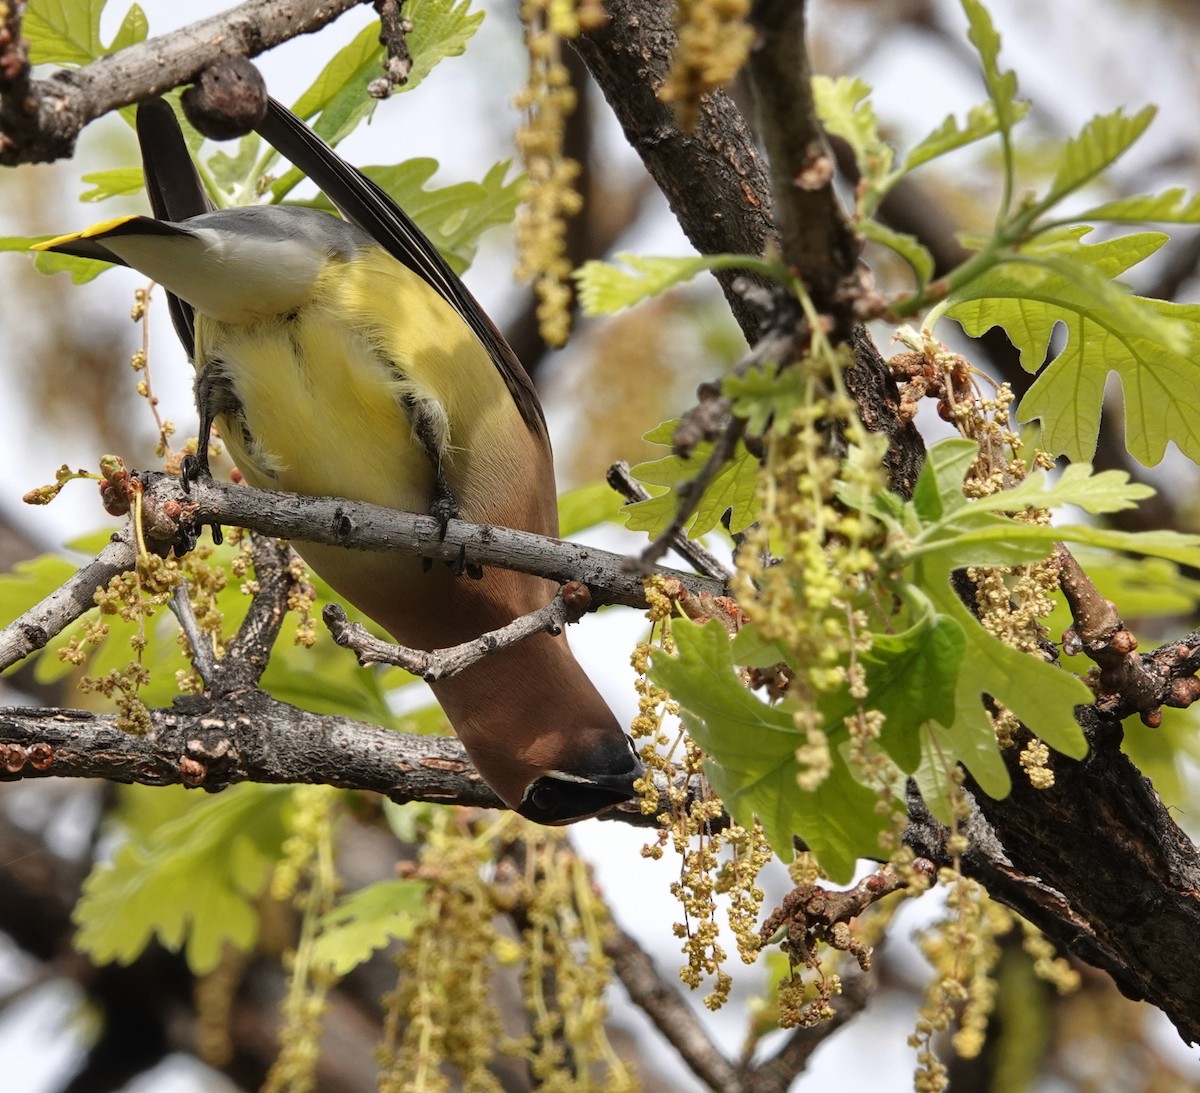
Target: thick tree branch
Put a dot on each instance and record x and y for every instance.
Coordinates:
(713, 178)
(248, 736)
(43, 123)
(719, 189)
(1097, 863)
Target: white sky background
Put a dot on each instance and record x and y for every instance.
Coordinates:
(464, 119)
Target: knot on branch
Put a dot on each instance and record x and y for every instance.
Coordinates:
(210, 761)
(1128, 682)
(809, 914)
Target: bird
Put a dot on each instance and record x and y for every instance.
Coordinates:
(341, 356)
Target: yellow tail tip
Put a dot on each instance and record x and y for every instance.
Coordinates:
(103, 228)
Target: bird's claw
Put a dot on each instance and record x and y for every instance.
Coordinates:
(443, 509)
(193, 469)
(460, 567)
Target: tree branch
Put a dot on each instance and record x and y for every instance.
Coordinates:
(568, 605)
(621, 480)
(670, 1013)
(248, 736)
(816, 237)
(42, 123)
(66, 603)
(1097, 864)
(713, 178)
(719, 189)
(359, 526)
(172, 516)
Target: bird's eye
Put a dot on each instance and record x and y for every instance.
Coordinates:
(545, 796)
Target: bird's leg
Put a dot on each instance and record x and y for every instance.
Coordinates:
(430, 430)
(214, 396)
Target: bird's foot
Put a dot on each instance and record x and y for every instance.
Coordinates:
(194, 469)
(444, 508)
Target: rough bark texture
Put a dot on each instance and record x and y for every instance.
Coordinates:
(40, 120)
(713, 178)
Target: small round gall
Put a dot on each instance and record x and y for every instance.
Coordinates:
(228, 100)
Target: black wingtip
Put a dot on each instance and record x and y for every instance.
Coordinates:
(174, 187)
(172, 181)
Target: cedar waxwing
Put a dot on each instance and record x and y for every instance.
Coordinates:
(345, 358)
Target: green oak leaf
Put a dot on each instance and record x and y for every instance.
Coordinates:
(911, 679)
(367, 920)
(192, 884)
(605, 288)
(734, 489)
(751, 749)
(1150, 344)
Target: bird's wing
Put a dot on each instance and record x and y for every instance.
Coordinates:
(175, 190)
(364, 203)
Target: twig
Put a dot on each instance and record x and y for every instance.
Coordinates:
(670, 1013)
(68, 602)
(690, 494)
(1128, 682)
(570, 603)
(393, 36)
(201, 647)
(704, 561)
(45, 124)
(277, 575)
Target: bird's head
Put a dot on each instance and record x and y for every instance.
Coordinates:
(563, 796)
(558, 779)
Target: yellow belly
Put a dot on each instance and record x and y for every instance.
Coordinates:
(323, 396)
(322, 414)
